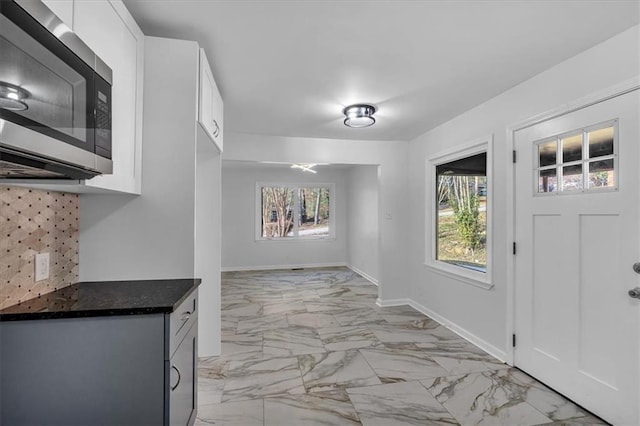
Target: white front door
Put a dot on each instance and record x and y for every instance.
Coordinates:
(578, 237)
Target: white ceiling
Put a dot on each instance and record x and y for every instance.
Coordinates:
(289, 67)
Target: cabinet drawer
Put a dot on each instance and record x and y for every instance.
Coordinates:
(181, 321)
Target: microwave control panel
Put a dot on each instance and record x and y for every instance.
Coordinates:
(103, 118)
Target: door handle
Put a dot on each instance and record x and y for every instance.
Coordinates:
(636, 267)
(179, 378)
(635, 293)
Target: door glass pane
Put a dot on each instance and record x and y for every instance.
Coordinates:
(602, 174)
(572, 178)
(572, 148)
(277, 212)
(547, 153)
(600, 142)
(547, 180)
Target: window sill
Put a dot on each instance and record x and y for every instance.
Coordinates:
(459, 274)
(295, 240)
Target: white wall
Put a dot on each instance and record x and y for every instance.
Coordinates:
(392, 158)
(362, 221)
(480, 313)
(240, 250)
(151, 236)
(207, 243)
(157, 235)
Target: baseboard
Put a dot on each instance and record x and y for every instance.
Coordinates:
(460, 331)
(274, 267)
(392, 302)
(363, 274)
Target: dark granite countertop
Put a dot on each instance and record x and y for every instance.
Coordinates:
(105, 298)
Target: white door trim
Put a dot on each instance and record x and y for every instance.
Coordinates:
(584, 102)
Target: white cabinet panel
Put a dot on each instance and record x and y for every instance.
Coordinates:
(63, 9)
(210, 111)
(108, 28)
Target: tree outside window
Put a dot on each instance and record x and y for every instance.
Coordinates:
(461, 207)
(295, 212)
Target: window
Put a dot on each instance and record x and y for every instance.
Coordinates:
(583, 160)
(461, 212)
(294, 212)
(458, 233)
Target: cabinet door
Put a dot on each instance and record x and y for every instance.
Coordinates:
(110, 31)
(210, 111)
(218, 114)
(183, 381)
(105, 370)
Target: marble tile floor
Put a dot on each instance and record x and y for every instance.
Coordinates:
(311, 347)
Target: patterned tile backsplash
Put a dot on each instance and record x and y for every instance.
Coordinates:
(34, 221)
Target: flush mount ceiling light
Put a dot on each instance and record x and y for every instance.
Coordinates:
(12, 97)
(359, 115)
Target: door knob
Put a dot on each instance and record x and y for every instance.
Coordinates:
(636, 267)
(635, 293)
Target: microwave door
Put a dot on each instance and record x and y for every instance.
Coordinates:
(48, 84)
(50, 92)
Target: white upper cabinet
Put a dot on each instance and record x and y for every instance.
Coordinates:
(210, 111)
(63, 9)
(108, 28)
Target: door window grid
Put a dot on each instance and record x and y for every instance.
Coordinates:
(583, 160)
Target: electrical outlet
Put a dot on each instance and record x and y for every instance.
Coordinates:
(42, 266)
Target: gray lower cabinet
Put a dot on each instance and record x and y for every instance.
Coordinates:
(183, 374)
(182, 365)
(101, 370)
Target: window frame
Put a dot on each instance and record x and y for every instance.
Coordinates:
(294, 186)
(465, 275)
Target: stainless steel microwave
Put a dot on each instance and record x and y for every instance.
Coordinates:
(55, 98)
